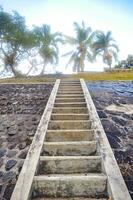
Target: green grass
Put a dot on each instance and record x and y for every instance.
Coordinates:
(113, 75)
(28, 80)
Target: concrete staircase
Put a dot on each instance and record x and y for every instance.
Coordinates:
(70, 164)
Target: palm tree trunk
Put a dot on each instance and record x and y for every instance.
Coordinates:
(43, 70)
(82, 58)
(82, 65)
(29, 70)
(13, 70)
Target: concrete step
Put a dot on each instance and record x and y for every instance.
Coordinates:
(70, 92)
(70, 87)
(76, 110)
(59, 96)
(69, 185)
(70, 100)
(69, 198)
(69, 164)
(70, 80)
(67, 89)
(71, 83)
(69, 135)
(70, 104)
(76, 125)
(82, 148)
(70, 116)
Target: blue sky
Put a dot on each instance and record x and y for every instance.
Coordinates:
(114, 15)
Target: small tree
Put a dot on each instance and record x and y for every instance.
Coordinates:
(130, 61)
(126, 64)
(15, 40)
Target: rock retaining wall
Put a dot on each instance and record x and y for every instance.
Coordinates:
(21, 107)
(114, 103)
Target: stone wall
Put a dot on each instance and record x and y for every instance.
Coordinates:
(114, 103)
(21, 107)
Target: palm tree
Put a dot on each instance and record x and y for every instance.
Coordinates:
(105, 46)
(81, 43)
(48, 48)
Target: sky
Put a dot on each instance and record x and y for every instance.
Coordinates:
(105, 15)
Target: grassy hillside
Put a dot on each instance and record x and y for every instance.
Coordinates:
(114, 75)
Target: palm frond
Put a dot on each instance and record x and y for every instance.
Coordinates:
(82, 31)
(90, 57)
(89, 40)
(98, 34)
(83, 24)
(70, 40)
(67, 54)
(72, 59)
(59, 40)
(115, 55)
(108, 35)
(114, 46)
(97, 52)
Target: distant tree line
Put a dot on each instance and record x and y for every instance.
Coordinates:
(125, 64)
(18, 43)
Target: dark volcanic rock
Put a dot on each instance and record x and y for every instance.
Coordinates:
(31, 134)
(20, 164)
(21, 107)
(127, 116)
(118, 125)
(2, 152)
(12, 146)
(12, 128)
(111, 134)
(110, 127)
(119, 120)
(1, 174)
(114, 144)
(1, 162)
(22, 145)
(10, 164)
(102, 114)
(131, 135)
(11, 153)
(122, 101)
(112, 112)
(8, 191)
(23, 154)
(130, 128)
(8, 176)
(24, 99)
